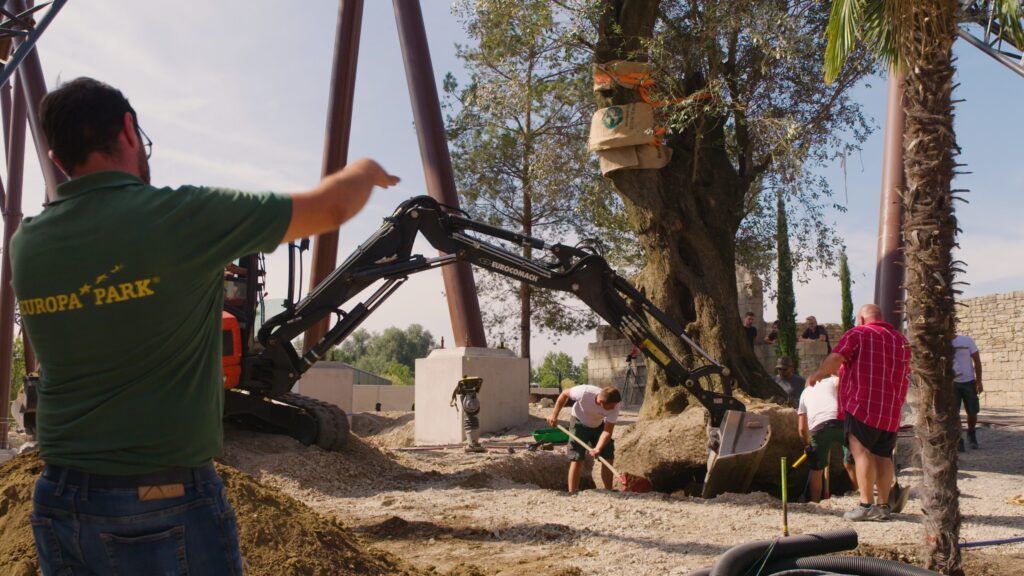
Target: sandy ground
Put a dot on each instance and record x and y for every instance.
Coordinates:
(506, 513)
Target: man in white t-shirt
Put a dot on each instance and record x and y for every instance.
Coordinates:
(820, 427)
(594, 413)
(967, 383)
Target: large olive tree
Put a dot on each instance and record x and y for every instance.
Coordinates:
(751, 118)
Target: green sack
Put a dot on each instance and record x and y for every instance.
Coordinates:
(550, 435)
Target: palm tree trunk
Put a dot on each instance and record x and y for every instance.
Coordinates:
(929, 236)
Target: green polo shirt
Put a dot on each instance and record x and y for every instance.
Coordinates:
(120, 288)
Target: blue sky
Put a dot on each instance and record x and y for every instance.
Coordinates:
(234, 93)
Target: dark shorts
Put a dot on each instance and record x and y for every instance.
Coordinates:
(967, 394)
(829, 435)
(878, 442)
(590, 436)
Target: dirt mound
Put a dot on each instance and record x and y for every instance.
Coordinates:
(17, 548)
(283, 462)
(544, 469)
(278, 534)
(379, 424)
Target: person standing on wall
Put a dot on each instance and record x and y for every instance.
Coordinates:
(121, 288)
(967, 382)
(815, 331)
(875, 358)
(749, 330)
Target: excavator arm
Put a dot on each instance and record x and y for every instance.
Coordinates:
(736, 439)
(387, 256)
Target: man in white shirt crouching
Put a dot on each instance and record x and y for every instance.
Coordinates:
(594, 413)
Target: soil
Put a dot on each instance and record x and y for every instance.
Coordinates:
(382, 507)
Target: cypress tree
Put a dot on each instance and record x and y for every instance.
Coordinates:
(786, 302)
(844, 280)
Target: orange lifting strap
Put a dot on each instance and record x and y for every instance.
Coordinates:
(642, 82)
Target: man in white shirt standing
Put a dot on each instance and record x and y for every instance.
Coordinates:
(820, 427)
(594, 412)
(967, 383)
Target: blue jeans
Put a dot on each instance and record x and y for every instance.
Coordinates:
(80, 529)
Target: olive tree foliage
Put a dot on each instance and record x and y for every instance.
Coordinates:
(17, 367)
(517, 131)
(750, 117)
(556, 370)
(391, 354)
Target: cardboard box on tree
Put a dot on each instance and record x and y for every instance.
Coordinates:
(621, 126)
(642, 157)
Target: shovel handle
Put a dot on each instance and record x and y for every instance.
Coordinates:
(582, 443)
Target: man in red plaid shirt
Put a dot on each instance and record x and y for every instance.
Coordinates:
(875, 358)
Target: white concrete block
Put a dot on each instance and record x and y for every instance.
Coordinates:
(396, 397)
(329, 382)
(504, 395)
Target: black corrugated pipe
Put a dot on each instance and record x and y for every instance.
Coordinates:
(852, 565)
(737, 560)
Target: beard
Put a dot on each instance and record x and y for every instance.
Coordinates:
(143, 166)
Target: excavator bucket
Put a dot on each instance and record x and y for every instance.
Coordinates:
(741, 441)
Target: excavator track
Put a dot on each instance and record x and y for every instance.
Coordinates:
(331, 422)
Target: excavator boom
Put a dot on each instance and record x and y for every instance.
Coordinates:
(736, 439)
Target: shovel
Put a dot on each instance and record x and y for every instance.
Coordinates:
(630, 482)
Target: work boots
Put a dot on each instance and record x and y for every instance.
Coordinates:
(960, 445)
(972, 439)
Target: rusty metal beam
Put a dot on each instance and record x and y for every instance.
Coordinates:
(339, 128)
(889, 262)
(12, 218)
(463, 306)
(33, 83)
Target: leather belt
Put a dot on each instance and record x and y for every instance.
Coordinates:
(74, 477)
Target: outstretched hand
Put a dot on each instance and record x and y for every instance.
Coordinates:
(374, 174)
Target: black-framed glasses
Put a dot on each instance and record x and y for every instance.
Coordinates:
(145, 141)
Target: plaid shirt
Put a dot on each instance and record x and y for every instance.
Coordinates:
(873, 381)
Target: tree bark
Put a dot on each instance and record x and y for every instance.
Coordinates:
(686, 216)
(929, 237)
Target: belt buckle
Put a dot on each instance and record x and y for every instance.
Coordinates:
(161, 492)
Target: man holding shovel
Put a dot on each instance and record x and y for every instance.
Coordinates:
(594, 414)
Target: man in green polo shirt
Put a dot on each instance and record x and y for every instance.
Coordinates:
(120, 287)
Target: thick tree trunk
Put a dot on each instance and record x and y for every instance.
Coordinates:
(929, 236)
(686, 216)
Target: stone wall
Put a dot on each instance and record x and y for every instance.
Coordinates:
(996, 323)
(606, 358)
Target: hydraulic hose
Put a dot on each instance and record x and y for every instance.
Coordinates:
(992, 542)
(737, 560)
(851, 565)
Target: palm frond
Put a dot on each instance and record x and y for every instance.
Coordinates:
(882, 25)
(842, 34)
(1009, 16)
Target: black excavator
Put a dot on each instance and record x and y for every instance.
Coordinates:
(261, 365)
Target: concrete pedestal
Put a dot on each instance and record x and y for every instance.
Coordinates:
(504, 396)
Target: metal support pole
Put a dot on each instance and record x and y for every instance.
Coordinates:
(339, 127)
(33, 84)
(12, 218)
(889, 263)
(463, 306)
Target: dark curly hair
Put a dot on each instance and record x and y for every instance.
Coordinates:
(83, 116)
